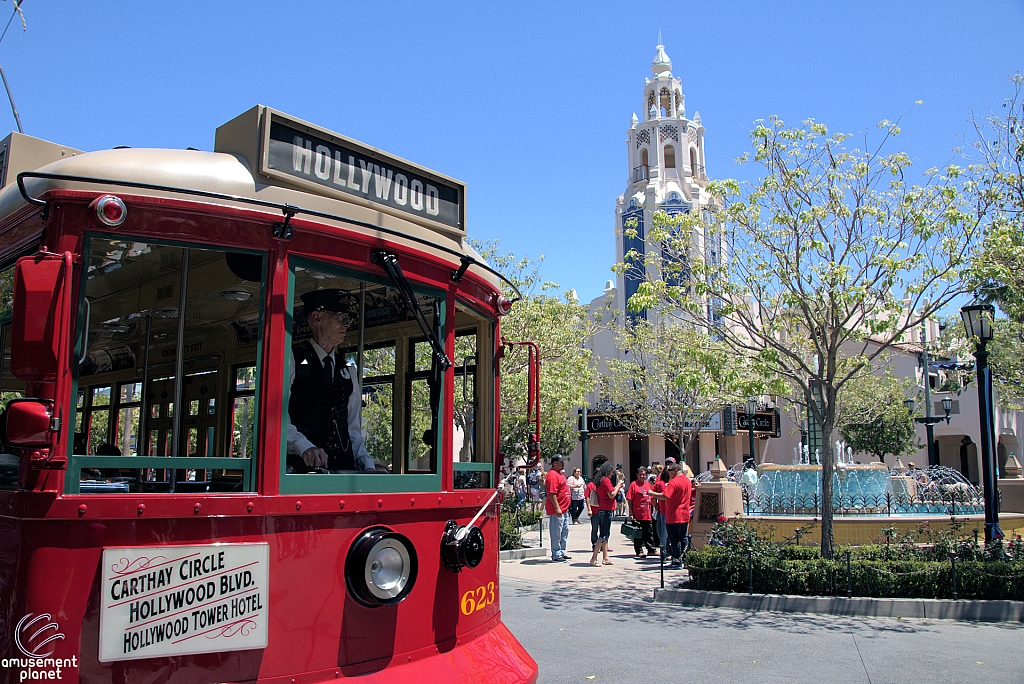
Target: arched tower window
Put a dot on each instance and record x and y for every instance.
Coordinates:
(650, 100)
(643, 157)
(665, 102)
(670, 157)
(693, 161)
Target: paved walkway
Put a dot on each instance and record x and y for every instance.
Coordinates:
(627, 571)
(590, 625)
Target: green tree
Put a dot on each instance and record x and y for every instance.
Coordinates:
(674, 378)
(830, 257)
(559, 325)
(997, 271)
(872, 417)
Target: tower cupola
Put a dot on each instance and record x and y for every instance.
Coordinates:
(661, 64)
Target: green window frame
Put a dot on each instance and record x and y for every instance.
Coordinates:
(352, 483)
(78, 462)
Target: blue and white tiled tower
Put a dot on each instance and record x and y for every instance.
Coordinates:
(665, 166)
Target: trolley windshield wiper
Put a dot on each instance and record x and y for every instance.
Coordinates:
(390, 264)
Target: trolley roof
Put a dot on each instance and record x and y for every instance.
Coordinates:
(274, 174)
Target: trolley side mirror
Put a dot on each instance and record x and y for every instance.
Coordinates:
(40, 306)
(30, 422)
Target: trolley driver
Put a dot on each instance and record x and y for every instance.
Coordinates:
(325, 403)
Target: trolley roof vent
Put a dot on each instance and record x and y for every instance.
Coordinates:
(20, 152)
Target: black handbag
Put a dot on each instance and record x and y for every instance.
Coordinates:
(632, 530)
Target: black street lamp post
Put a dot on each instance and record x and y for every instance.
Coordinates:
(928, 420)
(978, 324)
(751, 410)
(933, 453)
(584, 436)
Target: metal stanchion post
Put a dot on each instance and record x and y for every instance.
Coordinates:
(849, 577)
(952, 562)
(750, 571)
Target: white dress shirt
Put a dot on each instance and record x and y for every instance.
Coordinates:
(298, 443)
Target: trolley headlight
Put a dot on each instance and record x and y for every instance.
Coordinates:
(381, 567)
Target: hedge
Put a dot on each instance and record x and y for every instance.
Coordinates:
(740, 551)
(714, 569)
(513, 518)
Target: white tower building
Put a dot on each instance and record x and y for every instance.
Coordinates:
(665, 165)
(665, 172)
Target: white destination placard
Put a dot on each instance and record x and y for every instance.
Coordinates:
(161, 601)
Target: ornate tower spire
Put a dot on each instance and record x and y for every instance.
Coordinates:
(661, 64)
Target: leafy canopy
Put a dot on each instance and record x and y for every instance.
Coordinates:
(559, 325)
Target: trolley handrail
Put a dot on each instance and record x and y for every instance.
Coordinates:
(284, 208)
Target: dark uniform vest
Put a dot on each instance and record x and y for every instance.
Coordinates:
(318, 408)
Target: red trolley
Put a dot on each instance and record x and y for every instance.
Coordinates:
(166, 513)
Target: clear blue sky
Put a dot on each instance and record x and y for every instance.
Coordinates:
(527, 102)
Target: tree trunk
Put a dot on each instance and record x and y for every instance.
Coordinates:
(827, 536)
(827, 468)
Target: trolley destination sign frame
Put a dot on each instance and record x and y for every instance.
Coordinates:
(159, 601)
(297, 151)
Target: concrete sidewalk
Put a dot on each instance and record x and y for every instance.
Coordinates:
(643, 577)
(627, 572)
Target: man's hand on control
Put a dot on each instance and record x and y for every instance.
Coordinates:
(314, 457)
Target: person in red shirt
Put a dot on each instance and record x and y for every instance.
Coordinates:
(606, 493)
(660, 533)
(675, 507)
(591, 503)
(640, 511)
(557, 506)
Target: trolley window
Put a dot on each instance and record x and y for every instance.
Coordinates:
(472, 443)
(152, 314)
(364, 388)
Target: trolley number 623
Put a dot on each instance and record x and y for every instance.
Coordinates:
(477, 599)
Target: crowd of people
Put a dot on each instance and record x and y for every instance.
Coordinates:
(658, 502)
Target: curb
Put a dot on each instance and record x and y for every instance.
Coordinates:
(937, 609)
(516, 554)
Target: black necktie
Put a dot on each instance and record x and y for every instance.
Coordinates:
(329, 370)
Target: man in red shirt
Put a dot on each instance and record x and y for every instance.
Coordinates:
(557, 507)
(676, 509)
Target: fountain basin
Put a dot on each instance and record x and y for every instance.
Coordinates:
(861, 490)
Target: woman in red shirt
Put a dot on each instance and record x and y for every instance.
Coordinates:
(640, 511)
(591, 511)
(606, 493)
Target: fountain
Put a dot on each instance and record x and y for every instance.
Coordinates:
(865, 497)
(862, 489)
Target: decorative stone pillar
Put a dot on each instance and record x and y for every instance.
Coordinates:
(1011, 487)
(713, 499)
